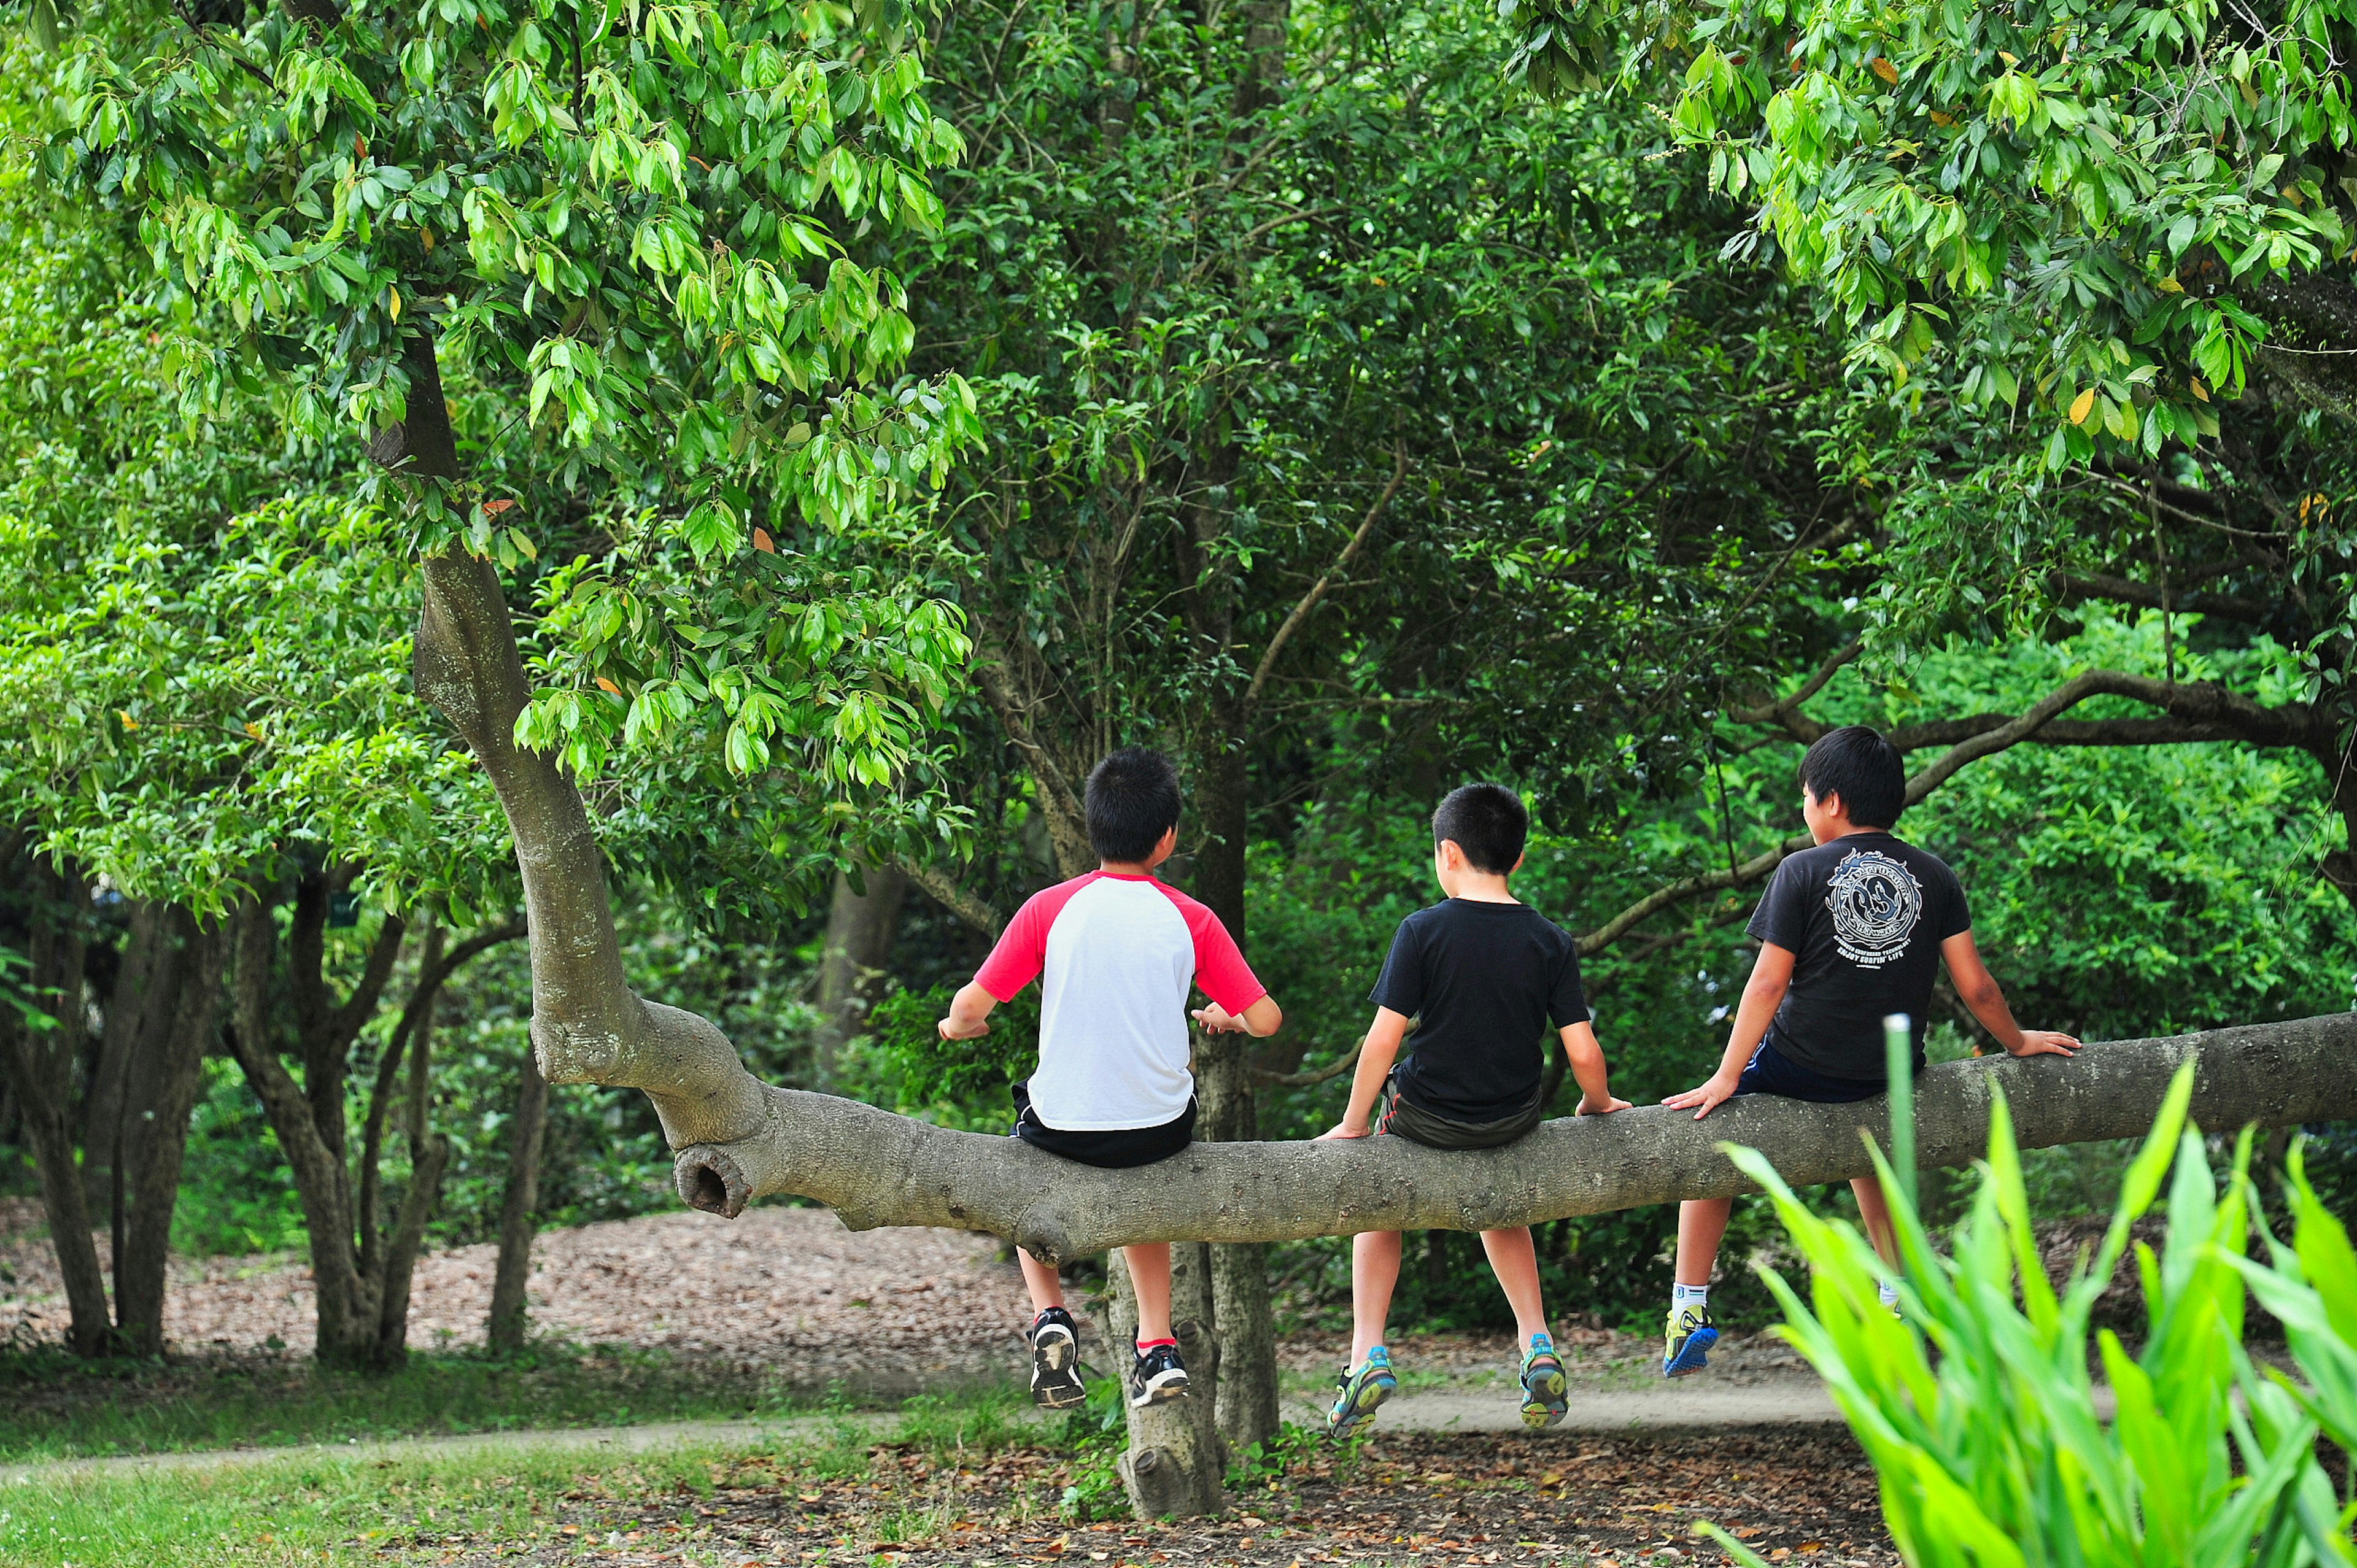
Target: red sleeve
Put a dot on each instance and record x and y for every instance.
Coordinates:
(1022, 949)
(1221, 973)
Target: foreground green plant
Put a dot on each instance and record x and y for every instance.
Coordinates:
(1998, 1455)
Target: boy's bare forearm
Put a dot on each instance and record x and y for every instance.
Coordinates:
(1375, 1059)
(1588, 1065)
(969, 1012)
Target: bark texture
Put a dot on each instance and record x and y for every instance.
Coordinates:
(875, 1168)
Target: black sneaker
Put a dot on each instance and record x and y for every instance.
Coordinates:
(1056, 1361)
(1159, 1377)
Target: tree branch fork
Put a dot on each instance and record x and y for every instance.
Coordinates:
(875, 1168)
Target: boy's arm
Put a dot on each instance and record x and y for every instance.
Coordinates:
(1979, 990)
(1260, 1020)
(1375, 1059)
(1771, 976)
(969, 1017)
(1586, 1055)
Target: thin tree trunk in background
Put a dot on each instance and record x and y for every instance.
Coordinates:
(163, 1089)
(1248, 1409)
(860, 931)
(38, 1066)
(519, 1211)
(142, 981)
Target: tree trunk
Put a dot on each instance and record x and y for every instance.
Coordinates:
(519, 1211)
(1248, 1407)
(38, 1065)
(860, 930)
(1177, 1462)
(160, 1093)
(142, 985)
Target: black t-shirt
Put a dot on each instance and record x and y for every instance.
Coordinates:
(1484, 979)
(1864, 917)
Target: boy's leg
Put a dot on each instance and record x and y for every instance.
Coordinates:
(1547, 1392)
(1874, 1209)
(1149, 1277)
(1686, 1344)
(1515, 1260)
(1374, 1274)
(1368, 1380)
(1046, 1285)
(1055, 1338)
(1702, 1225)
(1156, 1374)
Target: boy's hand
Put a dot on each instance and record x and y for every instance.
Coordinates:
(1605, 1107)
(1218, 1020)
(952, 1030)
(1340, 1130)
(2045, 1043)
(1704, 1100)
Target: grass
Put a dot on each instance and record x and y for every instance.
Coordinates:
(315, 1508)
(53, 1406)
(322, 1509)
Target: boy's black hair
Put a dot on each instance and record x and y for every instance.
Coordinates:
(1863, 767)
(1132, 800)
(1487, 821)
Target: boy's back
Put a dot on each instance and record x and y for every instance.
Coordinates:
(1115, 954)
(1483, 979)
(1864, 917)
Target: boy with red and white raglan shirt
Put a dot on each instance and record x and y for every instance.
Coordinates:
(1119, 950)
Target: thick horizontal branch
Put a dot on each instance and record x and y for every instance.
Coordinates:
(2071, 590)
(875, 1168)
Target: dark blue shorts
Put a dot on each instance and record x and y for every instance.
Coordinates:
(1771, 1071)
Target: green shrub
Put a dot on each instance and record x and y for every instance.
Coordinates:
(1994, 1453)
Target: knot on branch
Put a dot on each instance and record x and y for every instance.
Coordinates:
(712, 1180)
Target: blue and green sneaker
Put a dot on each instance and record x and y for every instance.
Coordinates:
(1547, 1392)
(1362, 1389)
(1685, 1349)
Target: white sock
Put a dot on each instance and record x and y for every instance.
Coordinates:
(1889, 1291)
(1696, 1296)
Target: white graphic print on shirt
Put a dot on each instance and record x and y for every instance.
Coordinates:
(1876, 902)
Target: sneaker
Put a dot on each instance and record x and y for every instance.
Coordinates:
(1359, 1392)
(1547, 1392)
(1056, 1361)
(1685, 1349)
(1159, 1377)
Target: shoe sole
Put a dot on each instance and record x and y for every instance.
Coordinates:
(1168, 1386)
(1545, 1398)
(1342, 1426)
(1055, 1376)
(1693, 1356)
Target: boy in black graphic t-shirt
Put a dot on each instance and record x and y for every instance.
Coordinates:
(1485, 976)
(1850, 931)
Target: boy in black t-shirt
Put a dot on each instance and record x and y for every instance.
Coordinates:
(1850, 931)
(1483, 974)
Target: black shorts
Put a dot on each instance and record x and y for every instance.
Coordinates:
(1119, 1149)
(1771, 1071)
(1405, 1118)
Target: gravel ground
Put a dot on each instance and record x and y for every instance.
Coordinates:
(777, 1288)
(781, 1291)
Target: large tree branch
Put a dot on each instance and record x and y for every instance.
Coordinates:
(587, 1026)
(1779, 711)
(875, 1168)
(1318, 590)
(953, 895)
